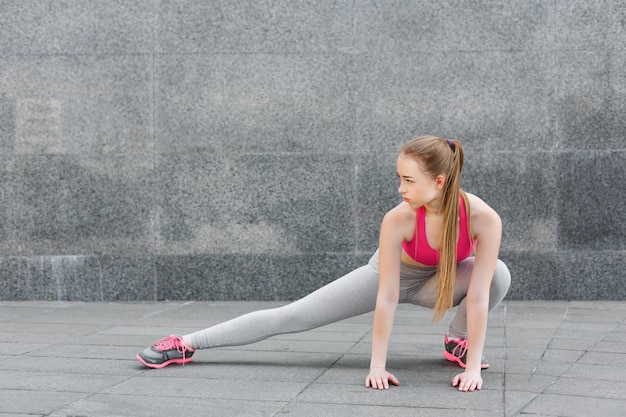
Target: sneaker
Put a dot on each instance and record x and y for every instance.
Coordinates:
(456, 351)
(168, 350)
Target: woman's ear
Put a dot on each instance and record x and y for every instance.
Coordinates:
(440, 181)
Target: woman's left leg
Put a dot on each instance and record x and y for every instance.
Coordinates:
(499, 286)
(455, 342)
(500, 283)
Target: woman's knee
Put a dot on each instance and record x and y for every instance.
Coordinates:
(500, 283)
(502, 275)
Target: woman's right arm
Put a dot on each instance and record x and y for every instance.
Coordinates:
(390, 250)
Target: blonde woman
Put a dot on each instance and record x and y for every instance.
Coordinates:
(438, 248)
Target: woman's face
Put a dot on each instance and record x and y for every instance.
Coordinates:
(417, 187)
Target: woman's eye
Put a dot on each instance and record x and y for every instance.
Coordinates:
(408, 181)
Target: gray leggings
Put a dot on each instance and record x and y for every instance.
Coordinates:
(349, 296)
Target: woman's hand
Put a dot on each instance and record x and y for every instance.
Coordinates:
(380, 379)
(468, 381)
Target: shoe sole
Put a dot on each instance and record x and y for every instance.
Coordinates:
(180, 361)
(449, 356)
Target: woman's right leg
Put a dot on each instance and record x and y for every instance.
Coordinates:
(349, 296)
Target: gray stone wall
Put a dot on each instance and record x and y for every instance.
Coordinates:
(246, 150)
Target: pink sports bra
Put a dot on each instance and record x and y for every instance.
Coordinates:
(419, 250)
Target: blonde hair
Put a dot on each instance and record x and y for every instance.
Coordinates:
(439, 156)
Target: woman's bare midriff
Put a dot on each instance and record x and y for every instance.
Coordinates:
(410, 261)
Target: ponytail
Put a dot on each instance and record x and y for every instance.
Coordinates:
(450, 232)
(444, 157)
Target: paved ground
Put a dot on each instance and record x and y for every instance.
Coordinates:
(77, 359)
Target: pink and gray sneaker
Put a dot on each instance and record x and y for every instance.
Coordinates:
(456, 351)
(165, 351)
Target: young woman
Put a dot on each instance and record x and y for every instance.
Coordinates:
(423, 258)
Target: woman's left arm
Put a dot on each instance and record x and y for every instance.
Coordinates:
(487, 228)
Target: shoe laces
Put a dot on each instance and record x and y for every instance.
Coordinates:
(171, 343)
(460, 348)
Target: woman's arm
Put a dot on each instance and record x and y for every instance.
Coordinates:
(390, 250)
(487, 228)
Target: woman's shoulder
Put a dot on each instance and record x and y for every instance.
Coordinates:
(399, 222)
(402, 212)
(481, 213)
(478, 205)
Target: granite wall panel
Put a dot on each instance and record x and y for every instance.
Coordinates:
(592, 275)
(50, 278)
(211, 150)
(7, 127)
(213, 277)
(69, 205)
(255, 203)
(512, 92)
(377, 193)
(399, 25)
(77, 27)
(591, 191)
(535, 275)
(529, 224)
(248, 277)
(590, 25)
(263, 26)
(591, 99)
(398, 96)
(498, 25)
(128, 278)
(255, 103)
(78, 104)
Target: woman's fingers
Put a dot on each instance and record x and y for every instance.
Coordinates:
(380, 380)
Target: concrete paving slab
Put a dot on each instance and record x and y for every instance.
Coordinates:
(20, 336)
(235, 356)
(515, 401)
(580, 344)
(154, 332)
(552, 368)
(562, 355)
(521, 366)
(43, 381)
(418, 373)
(573, 406)
(303, 409)
(107, 405)
(44, 329)
(404, 396)
(578, 334)
(78, 359)
(85, 351)
(588, 388)
(527, 383)
(603, 372)
(321, 346)
(527, 341)
(8, 348)
(35, 402)
(601, 358)
(526, 353)
(608, 347)
(111, 339)
(223, 388)
(242, 371)
(128, 366)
